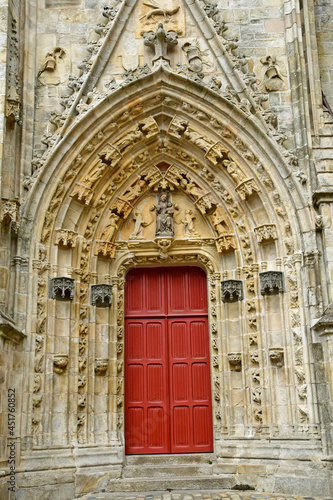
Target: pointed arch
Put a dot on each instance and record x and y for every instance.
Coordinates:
(215, 130)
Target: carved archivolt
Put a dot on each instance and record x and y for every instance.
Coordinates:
(199, 155)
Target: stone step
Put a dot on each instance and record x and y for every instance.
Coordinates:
(172, 484)
(170, 459)
(165, 471)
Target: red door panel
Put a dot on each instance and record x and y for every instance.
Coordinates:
(197, 292)
(167, 375)
(190, 382)
(146, 389)
(177, 292)
(154, 293)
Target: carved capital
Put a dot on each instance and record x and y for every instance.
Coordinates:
(101, 295)
(232, 290)
(82, 193)
(122, 207)
(111, 155)
(206, 204)
(8, 329)
(62, 288)
(325, 324)
(271, 282)
(149, 127)
(177, 127)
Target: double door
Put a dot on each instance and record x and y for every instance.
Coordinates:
(167, 373)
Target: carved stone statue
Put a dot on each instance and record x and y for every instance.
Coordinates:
(189, 229)
(164, 216)
(137, 233)
(132, 137)
(110, 228)
(194, 56)
(134, 191)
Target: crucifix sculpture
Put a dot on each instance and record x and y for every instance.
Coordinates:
(160, 41)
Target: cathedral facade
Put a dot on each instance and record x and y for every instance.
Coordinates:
(166, 256)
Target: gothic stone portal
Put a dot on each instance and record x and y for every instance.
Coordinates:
(168, 405)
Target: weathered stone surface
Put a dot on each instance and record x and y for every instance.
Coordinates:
(165, 134)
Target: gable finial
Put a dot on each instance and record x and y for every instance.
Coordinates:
(160, 41)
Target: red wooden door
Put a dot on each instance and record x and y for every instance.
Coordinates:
(167, 374)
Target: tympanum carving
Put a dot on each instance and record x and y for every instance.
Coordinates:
(164, 216)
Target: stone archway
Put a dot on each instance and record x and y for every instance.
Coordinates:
(219, 165)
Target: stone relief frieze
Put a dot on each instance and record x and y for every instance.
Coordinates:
(170, 13)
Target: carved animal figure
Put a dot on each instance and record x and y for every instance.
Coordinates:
(158, 11)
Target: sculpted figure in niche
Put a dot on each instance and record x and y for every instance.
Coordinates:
(191, 187)
(197, 139)
(189, 229)
(164, 216)
(194, 56)
(110, 228)
(134, 191)
(131, 138)
(219, 222)
(137, 233)
(234, 172)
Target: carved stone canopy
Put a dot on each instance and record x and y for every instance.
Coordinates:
(271, 282)
(232, 290)
(62, 288)
(324, 325)
(101, 295)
